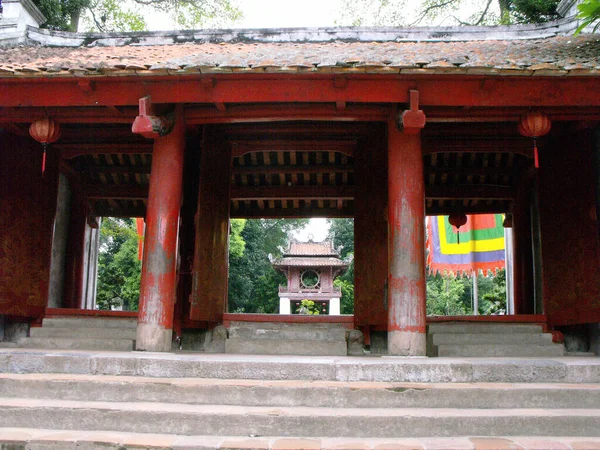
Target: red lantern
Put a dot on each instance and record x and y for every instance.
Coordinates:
(534, 124)
(45, 131)
(457, 221)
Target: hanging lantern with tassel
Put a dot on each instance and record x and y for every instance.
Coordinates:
(45, 131)
(457, 221)
(534, 124)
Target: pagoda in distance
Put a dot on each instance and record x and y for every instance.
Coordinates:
(310, 268)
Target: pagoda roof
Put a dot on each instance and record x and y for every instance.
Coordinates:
(310, 254)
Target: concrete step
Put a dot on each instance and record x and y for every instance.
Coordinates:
(92, 440)
(88, 332)
(77, 343)
(505, 350)
(480, 327)
(264, 367)
(287, 347)
(498, 339)
(229, 420)
(288, 331)
(90, 322)
(324, 394)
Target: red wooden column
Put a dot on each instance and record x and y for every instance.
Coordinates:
(159, 265)
(407, 330)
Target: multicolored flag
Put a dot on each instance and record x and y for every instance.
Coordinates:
(480, 246)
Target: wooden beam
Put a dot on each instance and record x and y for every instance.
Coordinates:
(292, 213)
(69, 151)
(449, 90)
(288, 169)
(241, 147)
(118, 191)
(485, 171)
(465, 145)
(481, 192)
(292, 192)
(117, 169)
(125, 211)
(446, 210)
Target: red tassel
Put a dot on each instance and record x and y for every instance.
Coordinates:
(44, 161)
(535, 157)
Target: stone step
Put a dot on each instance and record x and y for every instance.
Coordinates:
(481, 327)
(92, 440)
(287, 347)
(77, 343)
(91, 322)
(261, 367)
(504, 350)
(324, 394)
(492, 338)
(229, 420)
(88, 332)
(307, 332)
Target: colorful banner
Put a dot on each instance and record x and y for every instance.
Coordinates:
(478, 245)
(140, 225)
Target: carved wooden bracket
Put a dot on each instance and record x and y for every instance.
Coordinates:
(412, 120)
(150, 125)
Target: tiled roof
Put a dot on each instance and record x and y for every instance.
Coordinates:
(559, 55)
(311, 249)
(310, 262)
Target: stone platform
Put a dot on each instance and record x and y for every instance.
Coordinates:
(89, 399)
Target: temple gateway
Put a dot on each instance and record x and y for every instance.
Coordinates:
(191, 128)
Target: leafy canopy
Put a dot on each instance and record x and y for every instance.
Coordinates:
(445, 12)
(129, 15)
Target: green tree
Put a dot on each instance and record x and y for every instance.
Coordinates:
(119, 269)
(341, 231)
(461, 12)
(589, 12)
(253, 283)
(113, 15)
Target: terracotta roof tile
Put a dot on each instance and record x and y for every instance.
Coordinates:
(556, 55)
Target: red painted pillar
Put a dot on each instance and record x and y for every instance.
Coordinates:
(407, 333)
(159, 265)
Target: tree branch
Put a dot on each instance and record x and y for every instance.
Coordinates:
(429, 9)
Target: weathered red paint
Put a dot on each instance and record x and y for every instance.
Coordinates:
(406, 232)
(149, 125)
(159, 266)
(438, 90)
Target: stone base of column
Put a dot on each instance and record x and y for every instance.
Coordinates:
(407, 343)
(153, 338)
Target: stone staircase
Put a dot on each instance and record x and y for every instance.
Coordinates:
(277, 338)
(476, 339)
(223, 401)
(83, 333)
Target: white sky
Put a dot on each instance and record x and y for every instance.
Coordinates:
(286, 13)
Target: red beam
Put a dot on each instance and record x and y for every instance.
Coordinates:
(278, 170)
(242, 147)
(291, 192)
(119, 191)
(482, 192)
(444, 90)
(69, 151)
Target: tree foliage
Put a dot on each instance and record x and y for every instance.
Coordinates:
(119, 269)
(447, 12)
(113, 15)
(589, 12)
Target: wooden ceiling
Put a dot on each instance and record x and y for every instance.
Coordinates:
(302, 169)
